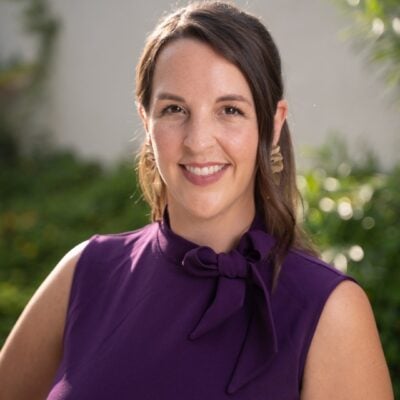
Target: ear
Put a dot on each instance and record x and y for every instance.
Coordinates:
(143, 116)
(279, 120)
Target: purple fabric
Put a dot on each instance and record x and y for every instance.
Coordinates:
(154, 316)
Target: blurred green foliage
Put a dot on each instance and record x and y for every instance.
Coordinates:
(22, 96)
(49, 203)
(352, 212)
(50, 200)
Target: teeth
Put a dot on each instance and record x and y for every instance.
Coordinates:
(205, 170)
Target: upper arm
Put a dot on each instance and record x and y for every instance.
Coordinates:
(33, 350)
(345, 360)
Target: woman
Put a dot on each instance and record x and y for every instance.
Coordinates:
(220, 297)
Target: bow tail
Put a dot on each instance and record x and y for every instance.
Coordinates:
(260, 344)
(229, 299)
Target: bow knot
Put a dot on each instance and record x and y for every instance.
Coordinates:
(232, 265)
(202, 261)
(247, 263)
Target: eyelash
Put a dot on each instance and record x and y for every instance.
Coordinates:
(236, 111)
(171, 109)
(174, 109)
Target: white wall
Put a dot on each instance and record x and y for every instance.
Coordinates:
(329, 87)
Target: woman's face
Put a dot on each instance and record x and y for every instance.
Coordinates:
(203, 128)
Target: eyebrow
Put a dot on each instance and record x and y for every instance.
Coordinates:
(228, 97)
(170, 96)
(233, 97)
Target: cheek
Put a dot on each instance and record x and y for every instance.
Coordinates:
(166, 144)
(242, 144)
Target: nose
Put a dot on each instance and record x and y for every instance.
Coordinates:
(200, 133)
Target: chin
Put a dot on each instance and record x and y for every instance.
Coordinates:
(202, 212)
(204, 215)
(205, 210)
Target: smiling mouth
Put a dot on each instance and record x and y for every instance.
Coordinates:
(204, 171)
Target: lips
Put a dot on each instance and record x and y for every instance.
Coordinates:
(203, 174)
(204, 171)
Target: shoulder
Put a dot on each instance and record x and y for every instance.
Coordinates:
(49, 302)
(342, 356)
(43, 320)
(309, 279)
(115, 243)
(305, 284)
(34, 346)
(105, 261)
(50, 299)
(105, 251)
(345, 359)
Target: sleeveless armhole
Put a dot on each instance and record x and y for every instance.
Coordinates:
(316, 317)
(74, 293)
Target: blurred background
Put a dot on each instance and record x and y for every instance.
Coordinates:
(69, 131)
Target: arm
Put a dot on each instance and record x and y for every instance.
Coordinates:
(346, 360)
(33, 350)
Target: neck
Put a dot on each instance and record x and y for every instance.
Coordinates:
(220, 232)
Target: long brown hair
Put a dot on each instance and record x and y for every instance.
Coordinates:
(243, 40)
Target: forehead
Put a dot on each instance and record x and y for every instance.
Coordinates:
(188, 65)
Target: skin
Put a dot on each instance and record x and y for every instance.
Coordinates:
(32, 352)
(201, 113)
(345, 360)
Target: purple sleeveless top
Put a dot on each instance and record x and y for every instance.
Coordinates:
(153, 316)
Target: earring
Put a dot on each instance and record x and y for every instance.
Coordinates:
(149, 151)
(156, 178)
(276, 159)
(157, 183)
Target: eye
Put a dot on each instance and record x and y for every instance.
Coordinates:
(231, 110)
(172, 109)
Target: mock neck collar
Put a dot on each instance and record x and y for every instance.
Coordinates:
(240, 274)
(174, 246)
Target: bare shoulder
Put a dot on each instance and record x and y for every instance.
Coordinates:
(33, 350)
(345, 359)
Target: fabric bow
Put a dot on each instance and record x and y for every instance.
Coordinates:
(237, 272)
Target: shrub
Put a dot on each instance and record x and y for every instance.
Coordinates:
(353, 214)
(51, 202)
(48, 204)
